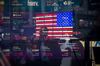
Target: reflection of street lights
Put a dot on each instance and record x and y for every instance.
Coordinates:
(22, 31)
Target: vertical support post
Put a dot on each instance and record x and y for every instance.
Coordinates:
(43, 5)
(88, 61)
(42, 38)
(30, 15)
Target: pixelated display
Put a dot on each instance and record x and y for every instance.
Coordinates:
(58, 24)
(65, 19)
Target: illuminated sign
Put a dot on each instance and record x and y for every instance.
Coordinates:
(49, 3)
(68, 2)
(33, 3)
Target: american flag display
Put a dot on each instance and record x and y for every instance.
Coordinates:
(58, 24)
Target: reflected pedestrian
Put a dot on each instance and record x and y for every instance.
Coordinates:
(3, 60)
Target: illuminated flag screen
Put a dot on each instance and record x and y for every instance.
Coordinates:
(58, 24)
(65, 19)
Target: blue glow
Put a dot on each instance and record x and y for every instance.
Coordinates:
(65, 19)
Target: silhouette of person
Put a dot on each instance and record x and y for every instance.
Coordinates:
(3, 60)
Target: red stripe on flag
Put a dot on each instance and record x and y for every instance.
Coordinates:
(45, 22)
(55, 29)
(45, 25)
(52, 18)
(45, 14)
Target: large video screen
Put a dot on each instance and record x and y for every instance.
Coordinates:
(58, 24)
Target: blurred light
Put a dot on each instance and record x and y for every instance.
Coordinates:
(33, 3)
(83, 23)
(1, 2)
(2, 35)
(68, 2)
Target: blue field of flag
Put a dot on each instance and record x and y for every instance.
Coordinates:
(65, 19)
